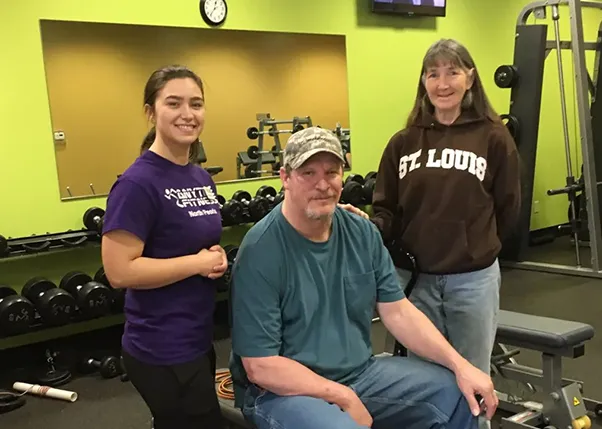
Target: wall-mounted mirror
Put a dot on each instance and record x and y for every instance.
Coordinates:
(259, 87)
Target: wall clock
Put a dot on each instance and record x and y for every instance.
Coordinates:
(213, 12)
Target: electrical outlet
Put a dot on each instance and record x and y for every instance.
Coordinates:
(59, 136)
(535, 207)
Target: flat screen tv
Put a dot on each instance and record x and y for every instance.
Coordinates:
(410, 7)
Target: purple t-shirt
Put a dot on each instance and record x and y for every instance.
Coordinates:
(173, 209)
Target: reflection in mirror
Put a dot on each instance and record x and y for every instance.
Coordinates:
(95, 75)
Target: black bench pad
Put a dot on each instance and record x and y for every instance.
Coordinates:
(541, 331)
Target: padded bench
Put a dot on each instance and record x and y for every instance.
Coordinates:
(551, 336)
(544, 334)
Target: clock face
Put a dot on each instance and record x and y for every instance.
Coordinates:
(215, 10)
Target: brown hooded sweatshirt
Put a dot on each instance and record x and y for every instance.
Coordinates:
(449, 195)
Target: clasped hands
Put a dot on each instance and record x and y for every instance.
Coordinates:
(213, 261)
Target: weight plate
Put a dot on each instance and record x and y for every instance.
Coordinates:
(353, 193)
(251, 171)
(355, 178)
(36, 286)
(94, 299)
(6, 291)
(231, 251)
(92, 216)
(252, 152)
(241, 195)
(252, 133)
(266, 191)
(16, 315)
(101, 277)
(221, 200)
(259, 207)
(368, 189)
(232, 212)
(370, 175)
(72, 280)
(505, 76)
(56, 307)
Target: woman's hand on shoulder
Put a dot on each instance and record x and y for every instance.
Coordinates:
(355, 210)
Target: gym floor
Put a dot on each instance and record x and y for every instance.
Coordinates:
(112, 403)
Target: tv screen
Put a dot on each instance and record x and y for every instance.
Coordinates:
(410, 7)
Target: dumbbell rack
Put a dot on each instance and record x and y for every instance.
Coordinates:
(267, 125)
(41, 243)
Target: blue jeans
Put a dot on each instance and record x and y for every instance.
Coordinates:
(398, 392)
(463, 307)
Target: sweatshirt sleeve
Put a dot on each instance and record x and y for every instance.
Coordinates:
(506, 183)
(386, 194)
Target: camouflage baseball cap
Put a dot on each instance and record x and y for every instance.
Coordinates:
(305, 143)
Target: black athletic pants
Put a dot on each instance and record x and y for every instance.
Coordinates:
(179, 396)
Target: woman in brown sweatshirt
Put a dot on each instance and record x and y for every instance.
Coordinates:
(448, 192)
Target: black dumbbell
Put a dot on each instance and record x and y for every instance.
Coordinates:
(256, 208)
(16, 312)
(108, 366)
(233, 212)
(231, 251)
(93, 298)
(253, 152)
(368, 188)
(55, 306)
(269, 193)
(3, 247)
(353, 191)
(93, 219)
(118, 298)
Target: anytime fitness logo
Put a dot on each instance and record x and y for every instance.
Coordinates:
(192, 198)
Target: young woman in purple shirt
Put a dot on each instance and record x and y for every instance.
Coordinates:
(161, 237)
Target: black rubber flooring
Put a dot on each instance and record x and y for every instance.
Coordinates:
(114, 404)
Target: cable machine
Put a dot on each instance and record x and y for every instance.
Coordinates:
(525, 78)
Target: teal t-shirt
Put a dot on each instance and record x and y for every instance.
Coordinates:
(307, 301)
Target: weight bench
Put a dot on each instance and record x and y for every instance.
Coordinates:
(562, 405)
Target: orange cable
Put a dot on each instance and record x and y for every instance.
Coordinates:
(224, 387)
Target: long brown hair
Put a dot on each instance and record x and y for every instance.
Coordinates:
(157, 80)
(452, 52)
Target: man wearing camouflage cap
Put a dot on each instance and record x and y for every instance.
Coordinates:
(305, 283)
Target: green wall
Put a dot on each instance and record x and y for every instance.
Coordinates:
(384, 55)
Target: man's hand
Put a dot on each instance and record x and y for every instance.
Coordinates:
(472, 381)
(354, 210)
(353, 405)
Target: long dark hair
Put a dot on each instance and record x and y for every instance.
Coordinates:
(453, 52)
(157, 80)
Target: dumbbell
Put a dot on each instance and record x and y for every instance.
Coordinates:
(256, 208)
(253, 152)
(16, 312)
(3, 247)
(368, 188)
(231, 251)
(353, 191)
(93, 298)
(252, 172)
(233, 212)
(108, 366)
(118, 301)
(269, 193)
(55, 306)
(93, 219)
(253, 132)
